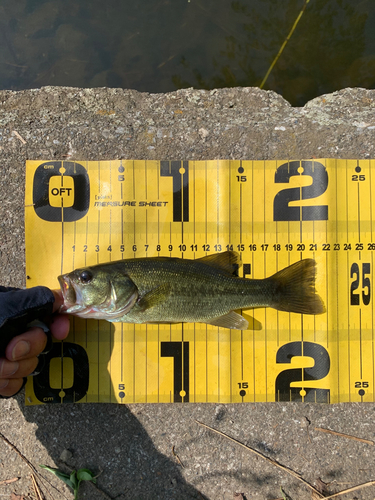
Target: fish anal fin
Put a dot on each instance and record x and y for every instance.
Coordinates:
(254, 324)
(154, 297)
(226, 261)
(231, 320)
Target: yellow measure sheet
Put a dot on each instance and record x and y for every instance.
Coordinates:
(274, 213)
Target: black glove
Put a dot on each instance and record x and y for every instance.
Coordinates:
(18, 311)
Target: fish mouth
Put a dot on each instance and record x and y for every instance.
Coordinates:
(74, 304)
(69, 293)
(105, 310)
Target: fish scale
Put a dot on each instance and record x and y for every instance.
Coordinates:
(184, 290)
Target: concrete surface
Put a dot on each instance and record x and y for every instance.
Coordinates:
(132, 445)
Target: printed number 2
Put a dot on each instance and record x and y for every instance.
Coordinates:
(284, 391)
(354, 272)
(281, 209)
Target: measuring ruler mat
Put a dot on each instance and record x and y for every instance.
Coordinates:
(273, 213)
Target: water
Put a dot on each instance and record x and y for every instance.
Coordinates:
(163, 45)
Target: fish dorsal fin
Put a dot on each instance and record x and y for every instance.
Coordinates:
(226, 261)
(231, 320)
(154, 297)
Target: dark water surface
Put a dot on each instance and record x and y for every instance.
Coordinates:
(163, 45)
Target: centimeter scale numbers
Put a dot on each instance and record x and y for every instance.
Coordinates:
(273, 213)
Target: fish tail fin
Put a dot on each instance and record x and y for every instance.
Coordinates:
(295, 289)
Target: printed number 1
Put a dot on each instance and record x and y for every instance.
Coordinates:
(179, 171)
(179, 351)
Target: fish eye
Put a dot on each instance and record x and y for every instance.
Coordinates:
(85, 277)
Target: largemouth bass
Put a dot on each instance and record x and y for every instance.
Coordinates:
(173, 290)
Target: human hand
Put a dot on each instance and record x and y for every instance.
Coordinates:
(19, 344)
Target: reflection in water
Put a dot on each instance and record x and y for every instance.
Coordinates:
(161, 45)
(330, 49)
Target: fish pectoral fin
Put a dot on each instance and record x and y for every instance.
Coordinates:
(154, 297)
(231, 320)
(226, 261)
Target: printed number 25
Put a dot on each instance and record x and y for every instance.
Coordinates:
(366, 284)
(281, 209)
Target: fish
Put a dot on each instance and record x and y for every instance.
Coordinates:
(174, 290)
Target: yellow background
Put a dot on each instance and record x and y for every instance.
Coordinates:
(223, 211)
